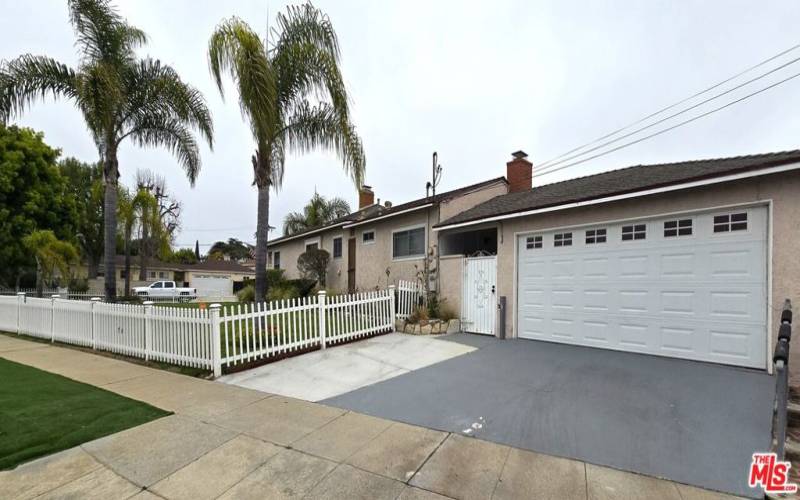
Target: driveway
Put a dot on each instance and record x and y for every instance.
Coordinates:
(330, 372)
(690, 422)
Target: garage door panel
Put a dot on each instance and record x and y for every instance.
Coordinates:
(701, 297)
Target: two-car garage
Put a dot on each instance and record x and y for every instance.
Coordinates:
(687, 285)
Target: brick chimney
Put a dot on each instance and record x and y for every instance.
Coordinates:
(519, 172)
(365, 197)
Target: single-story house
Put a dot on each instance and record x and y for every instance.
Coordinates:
(382, 243)
(690, 260)
(211, 278)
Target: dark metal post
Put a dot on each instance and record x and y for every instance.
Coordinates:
(781, 361)
(501, 323)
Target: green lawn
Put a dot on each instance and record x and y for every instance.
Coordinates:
(42, 413)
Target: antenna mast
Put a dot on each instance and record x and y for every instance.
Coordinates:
(436, 176)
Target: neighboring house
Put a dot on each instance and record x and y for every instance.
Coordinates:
(211, 278)
(690, 260)
(380, 244)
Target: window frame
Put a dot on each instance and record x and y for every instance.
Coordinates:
(374, 236)
(676, 228)
(276, 259)
(534, 242)
(340, 238)
(409, 229)
(636, 229)
(312, 241)
(562, 239)
(728, 224)
(595, 237)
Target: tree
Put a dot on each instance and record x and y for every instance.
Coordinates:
(162, 219)
(51, 255)
(132, 209)
(120, 97)
(183, 256)
(233, 249)
(293, 97)
(33, 195)
(85, 187)
(313, 264)
(197, 250)
(318, 212)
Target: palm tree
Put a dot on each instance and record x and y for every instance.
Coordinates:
(275, 81)
(51, 255)
(318, 212)
(121, 97)
(132, 208)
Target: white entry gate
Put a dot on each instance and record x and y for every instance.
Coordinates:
(479, 303)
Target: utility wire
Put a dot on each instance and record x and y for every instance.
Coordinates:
(673, 127)
(667, 118)
(697, 94)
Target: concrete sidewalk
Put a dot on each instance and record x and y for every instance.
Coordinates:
(229, 442)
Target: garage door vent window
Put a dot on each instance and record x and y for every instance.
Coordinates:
(532, 242)
(563, 240)
(634, 232)
(595, 236)
(730, 222)
(681, 227)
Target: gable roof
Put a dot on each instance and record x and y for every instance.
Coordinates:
(618, 182)
(229, 266)
(373, 212)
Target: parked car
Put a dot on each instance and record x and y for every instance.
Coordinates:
(165, 289)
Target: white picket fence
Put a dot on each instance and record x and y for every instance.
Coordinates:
(202, 338)
(409, 295)
(253, 332)
(179, 336)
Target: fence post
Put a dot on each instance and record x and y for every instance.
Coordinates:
(53, 317)
(322, 326)
(392, 307)
(94, 301)
(20, 300)
(148, 328)
(216, 346)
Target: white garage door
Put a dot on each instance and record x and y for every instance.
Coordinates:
(689, 286)
(210, 285)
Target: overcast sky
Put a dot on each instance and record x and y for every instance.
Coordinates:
(471, 80)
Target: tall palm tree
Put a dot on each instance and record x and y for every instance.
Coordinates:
(133, 208)
(121, 97)
(317, 212)
(292, 94)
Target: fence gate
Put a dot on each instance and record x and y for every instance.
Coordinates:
(479, 295)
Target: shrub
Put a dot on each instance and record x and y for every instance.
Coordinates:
(419, 314)
(433, 305)
(275, 277)
(446, 312)
(313, 264)
(282, 292)
(304, 286)
(247, 294)
(79, 285)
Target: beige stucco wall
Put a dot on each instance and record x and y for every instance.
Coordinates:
(783, 189)
(457, 205)
(292, 249)
(451, 268)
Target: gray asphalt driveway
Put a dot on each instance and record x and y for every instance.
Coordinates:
(690, 422)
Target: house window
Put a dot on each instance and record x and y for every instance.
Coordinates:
(681, 227)
(122, 274)
(562, 240)
(269, 259)
(152, 274)
(337, 248)
(595, 236)
(276, 260)
(368, 237)
(162, 274)
(730, 222)
(408, 243)
(532, 242)
(634, 232)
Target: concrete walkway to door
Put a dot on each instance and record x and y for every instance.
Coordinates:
(233, 443)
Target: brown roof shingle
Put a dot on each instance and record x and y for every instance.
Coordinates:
(616, 182)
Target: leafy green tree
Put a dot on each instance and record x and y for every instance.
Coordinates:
(132, 208)
(233, 249)
(318, 212)
(33, 195)
(183, 256)
(313, 264)
(120, 97)
(85, 186)
(51, 255)
(293, 97)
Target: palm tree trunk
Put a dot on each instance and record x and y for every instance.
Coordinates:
(262, 234)
(127, 262)
(144, 246)
(39, 279)
(110, 227)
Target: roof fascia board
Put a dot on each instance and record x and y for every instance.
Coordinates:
(303, 235)
(375, 219)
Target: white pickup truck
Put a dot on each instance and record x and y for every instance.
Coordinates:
(164, 290)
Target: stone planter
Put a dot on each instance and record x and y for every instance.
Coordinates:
(428, 327)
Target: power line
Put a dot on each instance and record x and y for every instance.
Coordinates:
(697, 94)
(650, 136)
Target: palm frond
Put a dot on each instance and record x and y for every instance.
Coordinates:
(155, 130)
(321, 127)
(234, 48)
(305, 24)
(29, 78)
(102, 34)
(294, 222)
